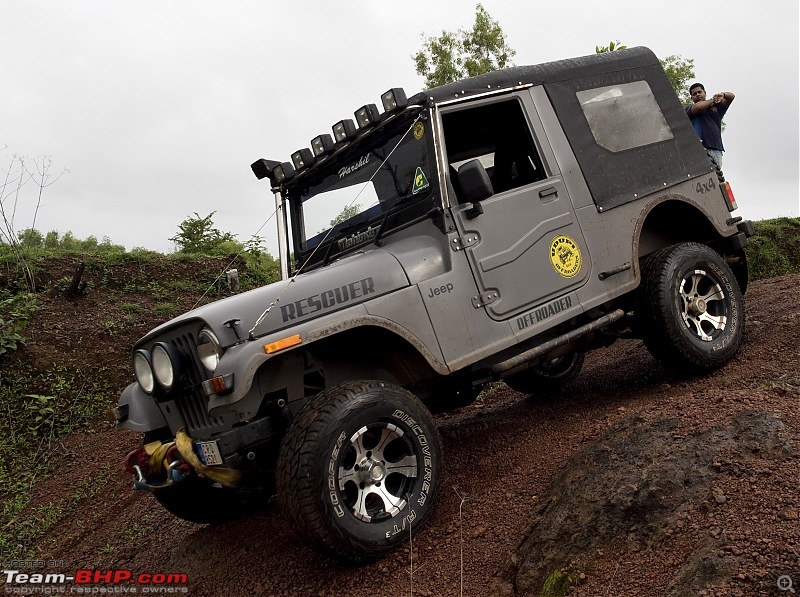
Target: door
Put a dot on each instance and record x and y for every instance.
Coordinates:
(523, 243)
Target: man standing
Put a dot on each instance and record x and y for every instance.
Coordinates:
(706, 116)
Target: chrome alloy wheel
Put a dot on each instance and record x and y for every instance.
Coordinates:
(703, 305)
(377, 472)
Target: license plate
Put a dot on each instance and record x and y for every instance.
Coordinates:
(208, 452)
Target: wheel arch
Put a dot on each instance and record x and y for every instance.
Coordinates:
(672, 219)
(357, 349)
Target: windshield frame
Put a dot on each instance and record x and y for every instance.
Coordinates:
(369, 225)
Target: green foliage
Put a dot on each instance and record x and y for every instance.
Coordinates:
(347, 213)
(612, 46)
(15, 312)
(32, 243)
(775, 250)
(198, 236)
(464, 53)
(679, 71)
(262, 269)
(37, 408)
(560, 582)
(165, 310)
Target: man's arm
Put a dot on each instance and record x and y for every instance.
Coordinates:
(702, 106)
(725, 98)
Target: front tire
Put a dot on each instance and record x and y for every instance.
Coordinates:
(690, 307)
(359, 469)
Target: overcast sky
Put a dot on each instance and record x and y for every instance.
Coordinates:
(157, 109)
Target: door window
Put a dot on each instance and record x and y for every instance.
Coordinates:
(497, 134)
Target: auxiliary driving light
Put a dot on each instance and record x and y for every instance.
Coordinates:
(394, 100)
(367, 116)
(263, 168)
(322, 145)
(344, 130)
(283, 172)
(302, 158)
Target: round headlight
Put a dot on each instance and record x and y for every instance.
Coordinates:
(208, 349)
(163, 368)
(143, 371)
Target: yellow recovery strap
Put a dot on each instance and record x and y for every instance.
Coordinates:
(157, 451)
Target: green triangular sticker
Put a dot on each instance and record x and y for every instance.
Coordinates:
(420, 181)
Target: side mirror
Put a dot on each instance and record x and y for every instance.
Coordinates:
(474, 181)
(475, 186)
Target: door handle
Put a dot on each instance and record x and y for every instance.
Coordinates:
(548, 192)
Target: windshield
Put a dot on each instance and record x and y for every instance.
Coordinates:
(348, 198)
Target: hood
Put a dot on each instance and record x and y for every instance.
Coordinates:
(358, 278)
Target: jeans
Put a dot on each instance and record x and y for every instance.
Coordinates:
(716, 157)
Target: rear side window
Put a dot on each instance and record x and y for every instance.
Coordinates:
(624, 116)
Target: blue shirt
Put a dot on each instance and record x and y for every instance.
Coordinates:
(708, 125)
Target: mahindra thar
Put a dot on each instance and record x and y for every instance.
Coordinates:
(496, 228)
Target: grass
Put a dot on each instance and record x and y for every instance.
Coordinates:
(775, 250)
(559, 583)
(36, 410)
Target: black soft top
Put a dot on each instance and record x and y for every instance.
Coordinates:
(548, 72)
(614, 178)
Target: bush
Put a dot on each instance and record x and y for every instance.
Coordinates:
(775, 250)
(15, 311)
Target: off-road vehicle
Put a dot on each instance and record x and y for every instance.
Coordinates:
(496, 228)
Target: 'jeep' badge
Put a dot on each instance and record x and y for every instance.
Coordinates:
(565, 256)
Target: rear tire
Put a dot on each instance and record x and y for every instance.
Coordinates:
(690, 308)
(359, 469)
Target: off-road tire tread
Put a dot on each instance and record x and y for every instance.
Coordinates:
(298, 458)
(664, 341)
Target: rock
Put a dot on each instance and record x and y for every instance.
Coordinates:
(634, 482)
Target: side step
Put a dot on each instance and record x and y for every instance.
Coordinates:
(499, 369)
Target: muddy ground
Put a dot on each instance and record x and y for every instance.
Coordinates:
(735, 534)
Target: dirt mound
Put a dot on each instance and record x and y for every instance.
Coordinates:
(635, 484)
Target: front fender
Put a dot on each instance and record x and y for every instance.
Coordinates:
(143, 412)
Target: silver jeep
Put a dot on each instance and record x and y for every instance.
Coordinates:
(497, 228)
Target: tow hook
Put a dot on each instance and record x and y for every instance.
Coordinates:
(138, 463)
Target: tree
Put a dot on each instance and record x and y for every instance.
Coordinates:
(464, 53)
(348, 212)
(679, 70)
(198, 236)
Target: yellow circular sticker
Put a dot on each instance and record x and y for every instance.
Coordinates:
(565, 256)
(419, 130)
